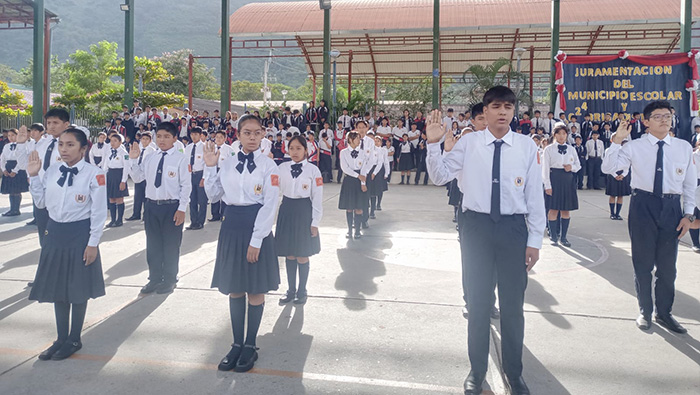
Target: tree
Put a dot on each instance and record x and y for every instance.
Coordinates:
(175, 63)
(480, 78)
(9, 74)
(151, 71)
(59, 75)
(90, 70)
(10, 98)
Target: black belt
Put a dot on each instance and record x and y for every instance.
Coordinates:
(502, 215)
(163, 202)
(672, 196)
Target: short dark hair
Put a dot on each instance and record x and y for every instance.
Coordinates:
(656, 105)
(79, 135)
(168, 127)
(221, 132)
(361, 121)
(196, 129)
(477, 109)
(58, 113)
(299, 139)
(537, 112)
(352, 135)
(37, 126)
(499, 93)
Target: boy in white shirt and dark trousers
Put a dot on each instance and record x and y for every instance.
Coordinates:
(167, 195)
(198, 198)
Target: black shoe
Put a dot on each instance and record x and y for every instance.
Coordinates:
(473, 383)
(301, 298)
(247, 359)
(111, 224)
(289, 296)
(195, 227)
(643, 322)
(465, 312)
(379, 208)
(613, 217)
(670, 323)
(696, 248)
(214, 219)
(617, 217)
(230, 360)
(454, 219)
(32, 222)
(49, 352)
(518, 386)
(6, 213)
(150, 287)
(30, 284)
(134, 218)
(358, 235)
(372, 216)
(165, 288)
(401, 183)
(553, 241)
(69, 348)
(118, 224)
(12, 214)
(365, 225)
(495, 313)
(565, 243)
(349, 235)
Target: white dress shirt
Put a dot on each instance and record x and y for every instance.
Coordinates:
(381, 161)
(696, 160)
(405, 148)
(225, 153)
(246, 189)
(384, 130)
(86, 198)
(553, 159)
(308, 184)
(398, 132)
(412, 135)
(97, 152)
(595, 149)
(120, 161)
(176, 182)
(41, 146)
(198, 156)
(14, 151)
(346, 120)
(680, 175)
(145, 152)
(471, 161)
(354, 167)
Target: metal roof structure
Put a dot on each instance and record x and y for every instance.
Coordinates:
(393, 38)
(19, 14)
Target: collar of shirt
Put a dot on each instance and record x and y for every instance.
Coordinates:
(79, 165)
(490, 138)
(653, 139)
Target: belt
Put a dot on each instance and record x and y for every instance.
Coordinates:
(672, 196)
(163, 202)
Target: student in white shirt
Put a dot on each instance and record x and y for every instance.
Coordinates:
(377, 183)
(325, 146)
(147, 148)
(385, 130)
(353, 193)
(198, 198)
(117, 167)
(246, 260)
(390, 153)
(595, 150)
(70, 269)
(13, 162)
(225, 152)
(405, 159)
(99, 150)
(559, 165)
(299, 217)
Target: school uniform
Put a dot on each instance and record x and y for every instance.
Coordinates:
(225, 153)
(312, 152)
(368, 146)
(140, 187)
(117, 167)
(98, 152)
(595, 151)
(76, 202)
(616, 188)
(353, 162)
(13, 159)
(346, 120)
(406, 156)
(586, 128)
(168, 187)
(662, 171)
(47, 148)
(325, 164)
(501, 215)
(581, 153)
(198, 198)
(560, 181)
(397, 136)
(179, 146)
(302, 207)
(421, 167)
(548, 125)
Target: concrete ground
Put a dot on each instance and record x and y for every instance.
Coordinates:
(383, 317)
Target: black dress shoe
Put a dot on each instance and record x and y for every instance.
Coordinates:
(288, 297)
(166, 288)
(372, 216)
(358, 235)
(473, 384)
(465, 312)
(215, 219)
(30, 284)
(495, 313)
(565, 243)
(365, 225)
(247, 359)
(195, 227)
(230, 360)
(49, 352)
(301, 298)
(150, 287)
(67, 349)
(12, 213)
(32, 222)
(670, 323)
(643, 322)
(133, 218)
(379, 208)
(349, 235)
(518, 386)
(118, 224)
(111, 224)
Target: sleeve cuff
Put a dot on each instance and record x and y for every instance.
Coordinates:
(434, 148)
(534, 241)
(314, 223)
(182, 207)
(93, 241)
(209, 171)
(255, 242)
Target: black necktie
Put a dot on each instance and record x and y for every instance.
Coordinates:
(354, 154)
(47, 155)
(296, 170)
(362, 143)
(595, 148)
(194, 148)
(550, 126)
(141, 155)
(159, 173)
(659, 173)
(496, 182)
(562, 149)
(114, 154)
(242, 159)
(69, 172)
(13, 146)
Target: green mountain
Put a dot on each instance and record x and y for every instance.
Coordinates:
(160, 26)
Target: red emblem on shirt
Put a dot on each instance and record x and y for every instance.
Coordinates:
(319, 181)
(275, 180)
(100, 179)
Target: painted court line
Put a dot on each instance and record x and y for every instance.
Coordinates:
(258, 371)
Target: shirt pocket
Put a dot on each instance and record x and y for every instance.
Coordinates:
(518, 181)
(679, 169)
(171, 175)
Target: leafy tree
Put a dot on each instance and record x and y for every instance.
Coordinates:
(90, 70)
(59, 75)
(152, 71)
(175, 63)
(9, 74)
(480, 78)
(10, 98)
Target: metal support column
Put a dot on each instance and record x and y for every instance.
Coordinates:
(38, 65)
(129, 53)
(190, 65)
(532, 73)
(686, 24)
(436, 53)
(326, 55)
(555, 48)
(47, 66)
(225, 59)
(349, 76)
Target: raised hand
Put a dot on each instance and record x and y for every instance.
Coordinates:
(134, 151)
(434, 130)
(211, 155)
(451, 141)
(622, 132)
(22, 135)
(33, 164)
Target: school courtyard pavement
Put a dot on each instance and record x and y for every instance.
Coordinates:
(383, 316)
